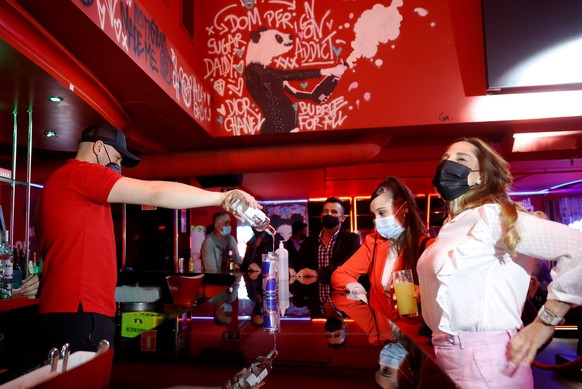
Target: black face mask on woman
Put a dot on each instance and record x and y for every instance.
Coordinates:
(451, 181)
(330, 221)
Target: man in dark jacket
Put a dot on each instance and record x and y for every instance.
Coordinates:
(319, 255)
(322, 253)
(298, 235)
(260, 243)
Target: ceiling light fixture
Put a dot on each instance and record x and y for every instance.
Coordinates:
(50, 134)
(546, 134)
(55, 99)
(545, 141)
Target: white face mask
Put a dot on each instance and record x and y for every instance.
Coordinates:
(225, 231)
(389, 227)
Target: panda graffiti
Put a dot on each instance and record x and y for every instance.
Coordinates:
(268, 85)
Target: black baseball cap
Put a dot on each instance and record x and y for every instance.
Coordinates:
(111, 136)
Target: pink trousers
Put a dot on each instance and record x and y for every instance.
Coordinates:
(479, 360)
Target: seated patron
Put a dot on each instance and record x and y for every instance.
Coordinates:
(261, 243)
(298, 235)
(217, 245)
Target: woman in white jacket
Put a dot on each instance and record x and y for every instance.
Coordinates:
(475, 277)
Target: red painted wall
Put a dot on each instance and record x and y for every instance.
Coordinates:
(413, 78)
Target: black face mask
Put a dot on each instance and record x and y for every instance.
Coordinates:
(111, 165)
(330, 221)
(450, 179)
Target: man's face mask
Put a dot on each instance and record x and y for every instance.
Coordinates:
(225, 230)
(115, 167)
(330, 221)
(451, 181)
(111, 165)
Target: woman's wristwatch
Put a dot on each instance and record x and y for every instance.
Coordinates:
(549, 318)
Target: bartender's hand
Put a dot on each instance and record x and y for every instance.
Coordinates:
(30, 286)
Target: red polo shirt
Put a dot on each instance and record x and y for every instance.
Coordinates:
(77, 243)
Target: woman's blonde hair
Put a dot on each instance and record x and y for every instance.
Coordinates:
(496, 181)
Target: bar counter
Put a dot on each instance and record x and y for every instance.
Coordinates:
(17, 302)
(212, 346)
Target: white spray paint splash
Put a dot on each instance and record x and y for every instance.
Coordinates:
(353, 85)
(376, 25)
(421, 11)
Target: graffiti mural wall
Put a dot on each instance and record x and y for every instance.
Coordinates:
(129, 24)
(303, 65)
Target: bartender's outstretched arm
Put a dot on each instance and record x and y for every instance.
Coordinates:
(168, 194)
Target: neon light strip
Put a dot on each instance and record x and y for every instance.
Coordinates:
(566, 184)
(283, 201)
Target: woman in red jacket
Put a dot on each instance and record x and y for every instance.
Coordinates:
(396, 243)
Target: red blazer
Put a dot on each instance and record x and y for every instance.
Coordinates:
(361, 263)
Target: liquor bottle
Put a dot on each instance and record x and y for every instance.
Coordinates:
(235, 203)
(17, 271)
(35, 264)
(283, 261)
(7, 257)
(254, 374)
(229, 261)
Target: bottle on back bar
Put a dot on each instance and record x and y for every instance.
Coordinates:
(229, 261)
(7, 258)
(17, 271)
